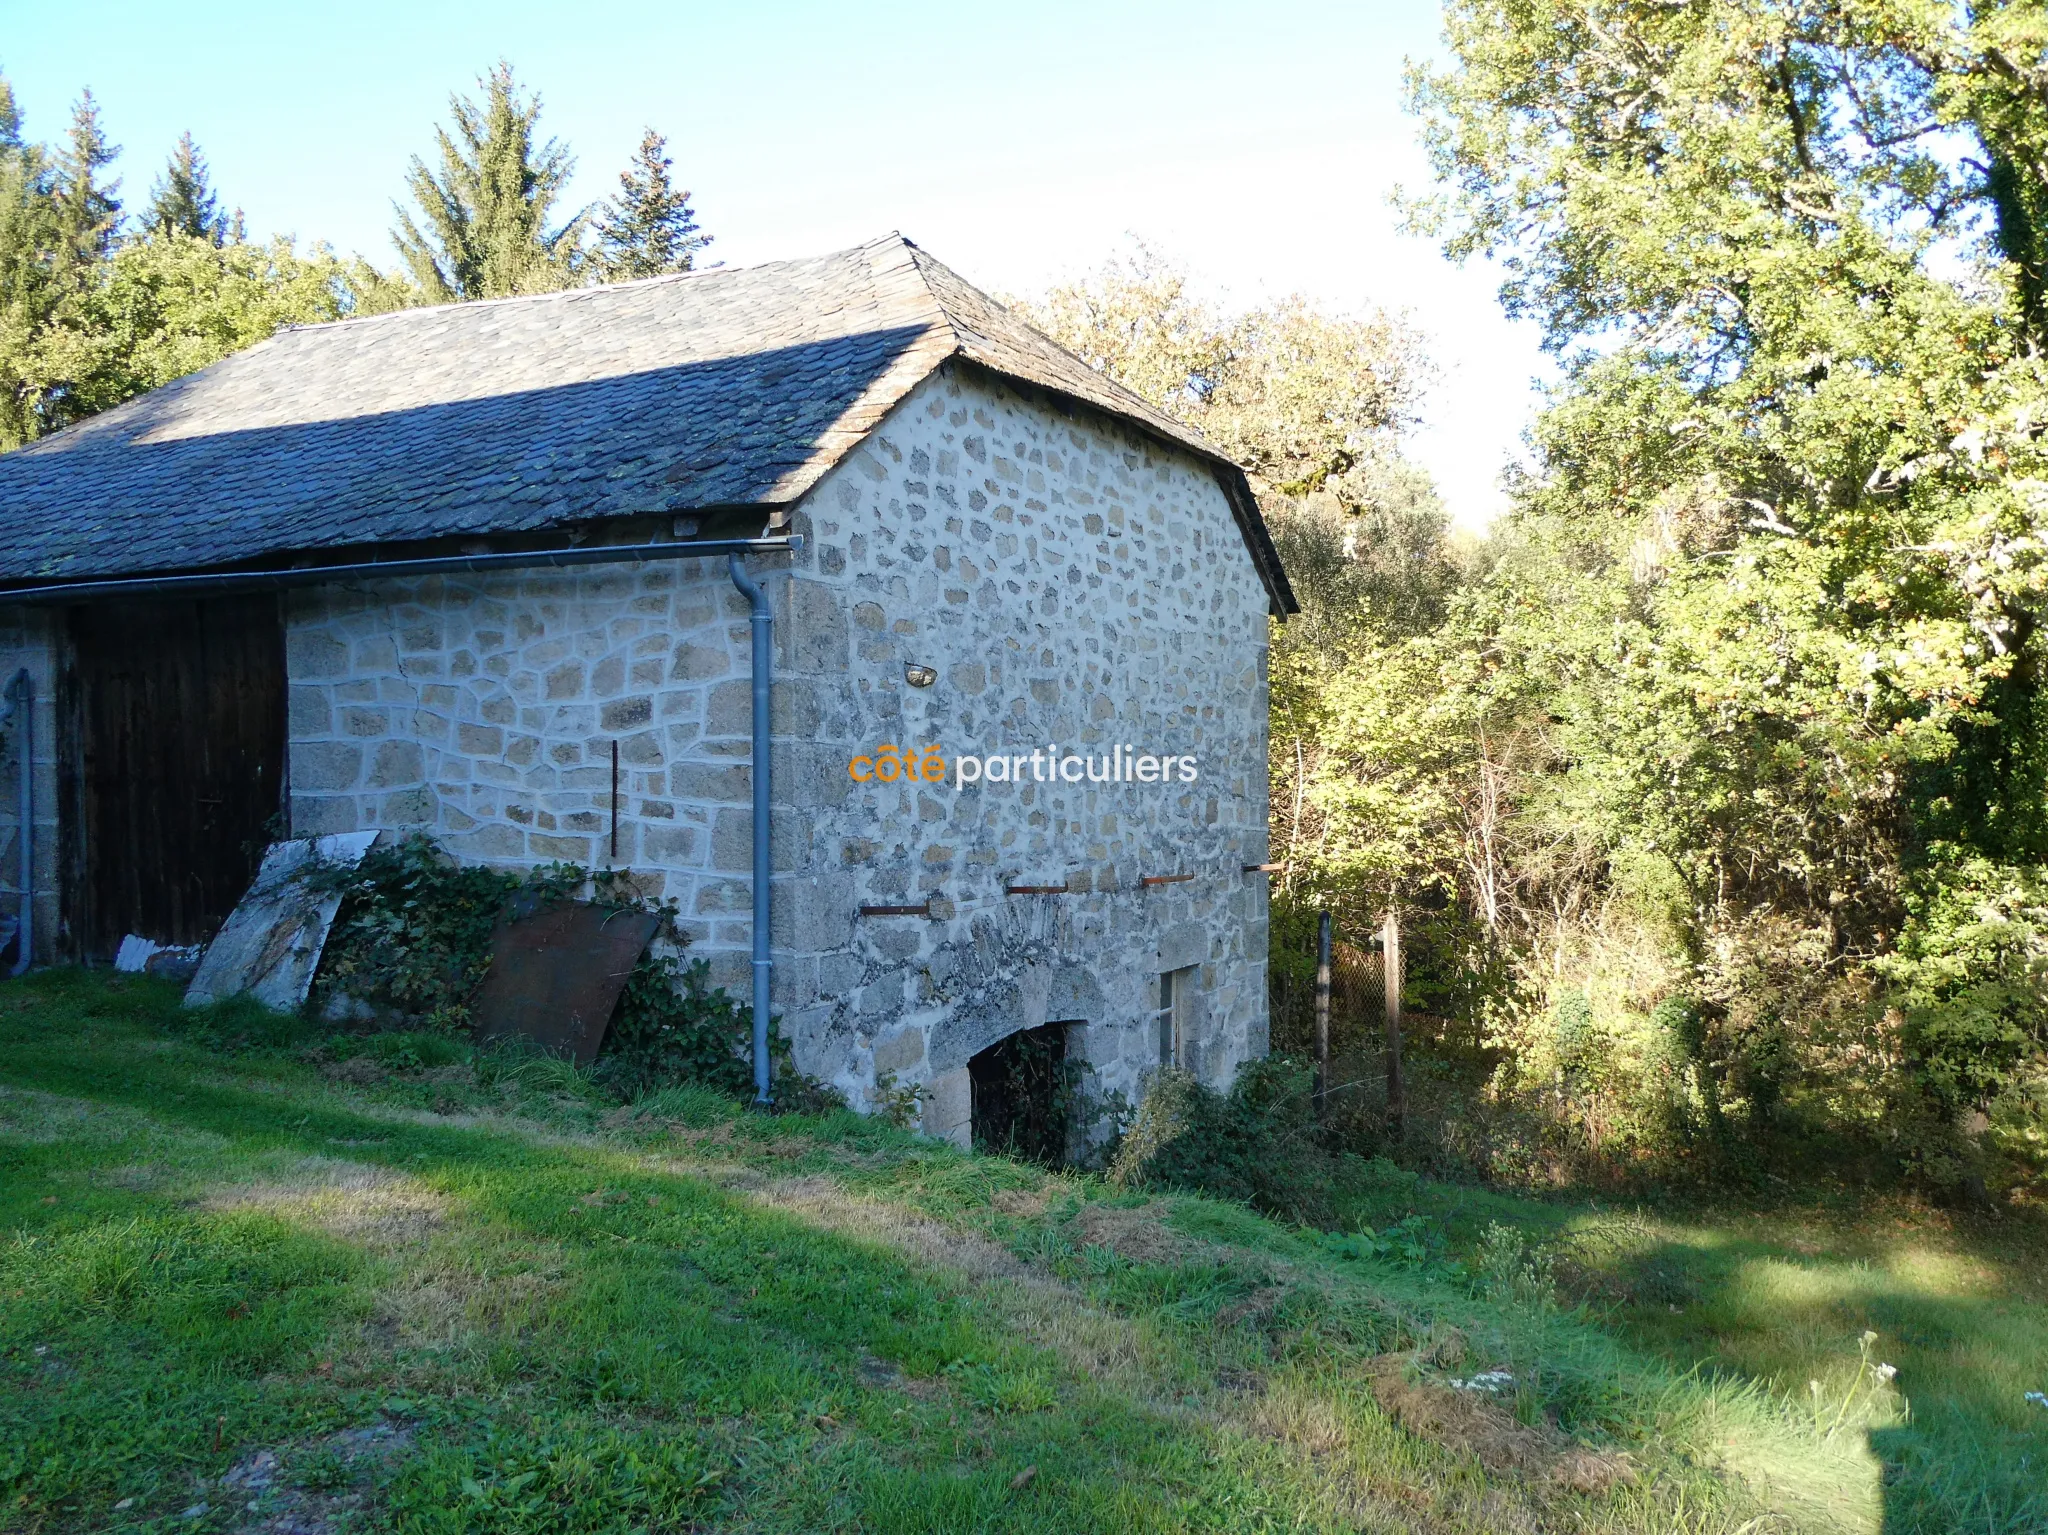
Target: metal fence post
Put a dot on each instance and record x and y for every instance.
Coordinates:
(1323, 1014)
(1390, 967)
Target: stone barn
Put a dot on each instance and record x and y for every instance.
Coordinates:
(480, 571)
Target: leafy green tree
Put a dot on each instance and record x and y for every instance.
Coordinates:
(486, 208)
(649, 228)
(88, 319)
(1778, 577)
(160, 308)
(370, 291)
(1306, 401)
(182, 201)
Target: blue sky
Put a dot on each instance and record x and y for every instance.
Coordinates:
(1254, 143)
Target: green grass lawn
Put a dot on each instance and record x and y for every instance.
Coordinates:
(243, 1287)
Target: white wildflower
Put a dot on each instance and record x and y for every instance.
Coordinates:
(1492, 1382)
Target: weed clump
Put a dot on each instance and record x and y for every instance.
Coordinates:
(674, 1026)
(1258, 1144)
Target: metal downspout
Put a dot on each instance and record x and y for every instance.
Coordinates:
(23, 687)
(764, 660)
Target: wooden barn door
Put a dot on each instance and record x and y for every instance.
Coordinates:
(175, 718)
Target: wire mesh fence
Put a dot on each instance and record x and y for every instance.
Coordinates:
(1358, 1012)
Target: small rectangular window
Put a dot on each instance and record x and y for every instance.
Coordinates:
(1176, 1015)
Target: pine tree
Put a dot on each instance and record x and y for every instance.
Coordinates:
(182, 201)
(10, 119)
(28, 292)
(486, 208)
(649, 228)
(88, 209)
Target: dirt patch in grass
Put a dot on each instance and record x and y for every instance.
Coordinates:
(1309, 1423)
(710, 1137)
(823, 1200)
(356, 1071)
(316, 1488)
(1089, 1340)
(134, 1178)
(1139, 1234)
(883, 1375)
(1256, 1306)
(1470, 1420)
(1026, 1204)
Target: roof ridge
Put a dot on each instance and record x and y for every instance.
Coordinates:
(588, 290)
(917, 258)
(911, 259)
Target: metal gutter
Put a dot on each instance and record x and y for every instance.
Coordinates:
(208, 582)
(764, 660)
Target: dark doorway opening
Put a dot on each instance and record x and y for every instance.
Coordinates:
(172, 780)
(1022, 1102)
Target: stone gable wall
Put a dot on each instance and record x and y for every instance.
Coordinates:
(1071, 582)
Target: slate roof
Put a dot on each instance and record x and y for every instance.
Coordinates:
(726, 388)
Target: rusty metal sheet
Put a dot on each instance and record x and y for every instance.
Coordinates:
(555, 977)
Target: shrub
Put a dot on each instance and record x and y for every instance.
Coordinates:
(1578, 1042)
(1257, 1143)
(1970, 978)
(412, 939)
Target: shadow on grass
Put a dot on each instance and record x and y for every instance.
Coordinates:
(1959, 1445)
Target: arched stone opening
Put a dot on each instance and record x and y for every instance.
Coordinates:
(1010, 1073)
(1023, 1095)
